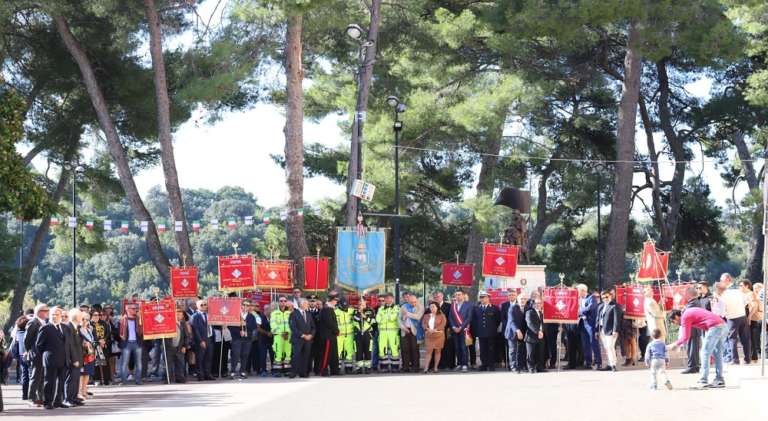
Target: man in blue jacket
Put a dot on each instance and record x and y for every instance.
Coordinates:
(590, 343)
(460, 319)
(202, 334)
(514, 332)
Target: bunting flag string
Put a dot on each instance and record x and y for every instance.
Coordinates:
(163, 225)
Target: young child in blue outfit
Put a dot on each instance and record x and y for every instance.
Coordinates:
(657, 360)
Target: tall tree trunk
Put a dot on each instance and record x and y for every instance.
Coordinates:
(654, 176)
(164, 133)
(116, 149)
(678, 152)
(361, 108)
(36, 251)
(544, 216)
(294, 144)
(485, 184)
(754, 268)
(616, 243)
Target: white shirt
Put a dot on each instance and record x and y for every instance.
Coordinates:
(734, 301)
(431, 322)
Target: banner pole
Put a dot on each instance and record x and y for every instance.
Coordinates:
(165, 351)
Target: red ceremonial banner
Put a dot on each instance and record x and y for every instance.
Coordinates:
(668, 302)
(458, 274)
(316, 273)
(679, 295)
(633, 300)
(653, 265)
(158, 318)
(498, 296)
(259, 297)
(236, 273)
(184, 282)
(561, 305)
(224, 311)
(273, 274)
(499, 260)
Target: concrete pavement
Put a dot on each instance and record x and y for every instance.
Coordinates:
(446, 396)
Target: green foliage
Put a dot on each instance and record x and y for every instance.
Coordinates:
(20, 193)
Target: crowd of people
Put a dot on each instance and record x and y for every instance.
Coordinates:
(60, 352)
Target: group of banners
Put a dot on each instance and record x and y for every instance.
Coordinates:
(499, 260)
(237, 273)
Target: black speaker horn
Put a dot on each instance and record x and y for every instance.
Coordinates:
(516, 199)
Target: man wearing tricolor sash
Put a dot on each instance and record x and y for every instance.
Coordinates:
(460, 319)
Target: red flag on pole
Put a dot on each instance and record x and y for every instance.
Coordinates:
(236, 273)
(316, 273)
(653, 265)
(458, 274)
(499, 260)
(224, 311)
(273, 274)
(633, 300)
(561, 305)
(184, 282)
(158, 318)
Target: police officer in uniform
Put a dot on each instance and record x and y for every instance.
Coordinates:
(485, 324)
(364, 322)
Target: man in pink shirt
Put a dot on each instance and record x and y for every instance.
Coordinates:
(715, 332)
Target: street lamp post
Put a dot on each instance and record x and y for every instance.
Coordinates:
(397, 127)
(77, 169)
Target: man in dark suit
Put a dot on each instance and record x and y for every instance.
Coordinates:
(514, 332)
(460, 319)
(73, 346)
(50, 344)
(202, 334)
(485, 325)
(609, 324)
(302, 333)
(242, 337)
(176, 349)
(534, 337)
(327, 331)
(36, 375)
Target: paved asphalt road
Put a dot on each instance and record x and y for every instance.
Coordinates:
(450, 396)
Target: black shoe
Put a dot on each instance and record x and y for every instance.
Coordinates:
(292, 376)
(48, 406)
(690, 371)
(613, 368)
(606, 368)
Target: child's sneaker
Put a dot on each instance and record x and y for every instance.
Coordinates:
(668, 385)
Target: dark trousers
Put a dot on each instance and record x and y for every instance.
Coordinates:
(550, 342)
(642, 341)
(738, 329)
(487, 353)
(204, 359)
(301, 351)
(472, 352)
(316, 357)
(754, 329)
(448, 356)
(241, 348)
(517, 354)
(573, 348)
(460, 345)
(694, 347)
(24, 370)
(176, 364)
(53, 385)
(410, 352)
(363, 347)
(330, 361)
(36, 380)
(220, 357)
(71, 383)
(535, 354)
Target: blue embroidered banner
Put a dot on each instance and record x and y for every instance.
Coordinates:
(360, 259)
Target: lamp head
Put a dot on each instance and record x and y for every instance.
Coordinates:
(354, 31)
(392, 101)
